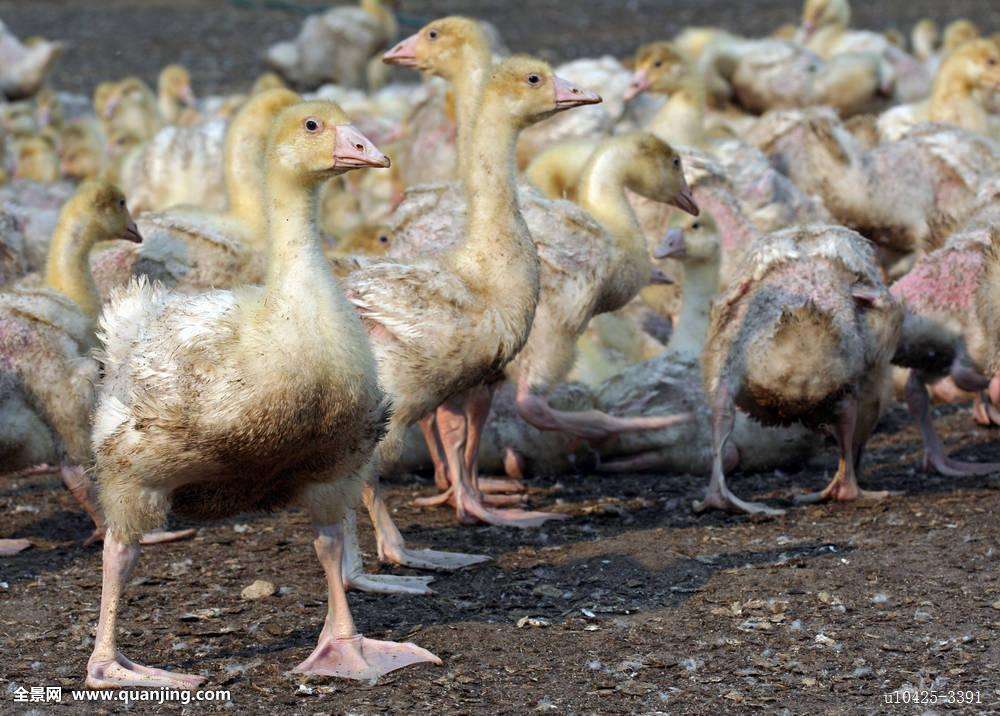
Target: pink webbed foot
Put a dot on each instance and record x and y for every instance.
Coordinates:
(10, 547)
(841, 492)
(363, 659)
(154, 537)
(427, 558)
(472, 510)
(984, 412)
(496, 499)
(120, 672)
(731, 503)
(944, 465)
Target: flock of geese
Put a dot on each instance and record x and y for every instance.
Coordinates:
(693, 260)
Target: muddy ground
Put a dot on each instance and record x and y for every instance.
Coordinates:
(648, 607)
(222, 41)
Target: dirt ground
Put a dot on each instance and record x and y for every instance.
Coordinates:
(222, 41)
(643, 606)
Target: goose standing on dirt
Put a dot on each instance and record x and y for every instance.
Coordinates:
(198, 413)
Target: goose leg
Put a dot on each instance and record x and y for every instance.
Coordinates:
(934, 457)
(844, 485)
(341, 651)
(718, 495)
(10, 547)
(590, 425)
(984, 412)
(428, 427)
(469, 505)
(478, 402)
(392, 547)
(85, 492)
(354, 576)
(107, 667)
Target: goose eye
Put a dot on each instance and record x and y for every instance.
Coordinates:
(991, 62)
(121, 203)
(696, 225)
(312, 125)
(433, 34)
(534, 79)
(677, 162)
(383, 239)
(658, 63)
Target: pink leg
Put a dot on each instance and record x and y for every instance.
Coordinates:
(41, 469)
(844, 485)
(428, 426)
(718, 496)
(85, 492)
(107, 667)
(983, 410)
(355, 577)
(934, 457)
(10, 547)
(591, 425)
(477, 412)
(392, 547)
(341, 651)
(468, 500)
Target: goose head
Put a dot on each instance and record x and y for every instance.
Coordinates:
(659, 67)
(532, 91)
(657, 172)
(108, 212)
(316, 140)
(438, 47)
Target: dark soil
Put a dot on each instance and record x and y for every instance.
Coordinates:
(222, 41)
(648, 607)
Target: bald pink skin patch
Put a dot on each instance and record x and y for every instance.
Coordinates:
(944, 281)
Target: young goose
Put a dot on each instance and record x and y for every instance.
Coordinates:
(263, 431)
(195, 248)
(897, 192)
(804, 335)
(336, 46)
(577, 265)
(451, 322)
(174, 96)
(825, 31)
(23, 66)
(972, 69)
(942, 335)
(46, 335)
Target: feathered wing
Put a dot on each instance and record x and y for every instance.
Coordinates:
(161, 350)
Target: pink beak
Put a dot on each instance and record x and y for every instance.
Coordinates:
(353, 150)
(684, 200)
(659, 278)
(671, 246)
(569, 95)
(404, 54)
(132, 233)
(639, 84)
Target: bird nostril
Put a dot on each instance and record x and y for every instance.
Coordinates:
(360, 147)
(575, 91)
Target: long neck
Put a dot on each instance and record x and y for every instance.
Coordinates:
(297, 268)
(169, 106)
(701, 282)
(736, 231)
(602, 195)
(497, 235)
(951, 85)
(67, 268)
(245, 178)
(682, 119)
(468, 87)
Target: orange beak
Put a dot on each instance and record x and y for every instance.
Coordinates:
(404, 54)
(353, 150)
(569, 95)
(639, 84)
